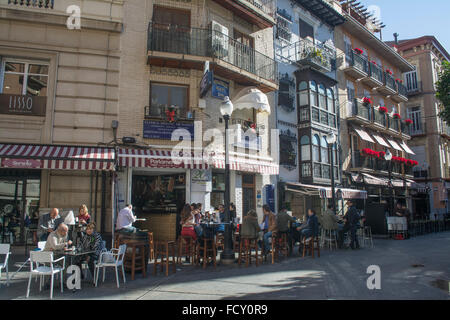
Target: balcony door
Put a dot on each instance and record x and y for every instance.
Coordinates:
(306, 31)
(415, 115)
(244, 52)
(248, 193)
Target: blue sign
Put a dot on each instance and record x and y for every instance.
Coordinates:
(220, 89)
(206, 83)
(163, 130)
(270, 196)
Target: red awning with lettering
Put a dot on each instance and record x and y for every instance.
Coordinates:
(27, 156)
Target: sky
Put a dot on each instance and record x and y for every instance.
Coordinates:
(414, 18)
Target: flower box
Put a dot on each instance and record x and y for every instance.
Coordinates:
(408, 122)
(367, 101)
(383, 109)
(389, 71)
(358, 51)
(399, 80)
(397, 116)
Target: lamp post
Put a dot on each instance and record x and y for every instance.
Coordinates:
(227, 255)
(388, 157)
(331, 140)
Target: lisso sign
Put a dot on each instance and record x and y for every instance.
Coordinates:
(23, 105)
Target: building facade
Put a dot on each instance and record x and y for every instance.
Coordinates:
(430, 135)
(179, 60)
(307, 101)
(374, 121)
(58, 97)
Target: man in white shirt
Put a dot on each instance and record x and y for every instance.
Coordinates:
(125, 220)
(57, 240)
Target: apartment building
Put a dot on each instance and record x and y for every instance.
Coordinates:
(180, 59)
(58, 97)
(372, 100)
(430, 134)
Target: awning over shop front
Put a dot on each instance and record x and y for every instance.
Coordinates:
(363, 135)
(246, 164)
(369, 179)
(381, 141)
(152, 158)
(406, 148)
(394, 144)
(27, 156)
(325, 192)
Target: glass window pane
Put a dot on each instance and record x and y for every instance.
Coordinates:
(38, 69)
(13, 84)
(316, 140)
(313, 86)
(178, 96)
(304, 114)
(306, 169)
(324, 154)
(304, 140)
(322, 101)
(304, 98)
(14, 67)
(37, 85)
(306, 153)
(303, 86)
(316, 153)
(218, 182)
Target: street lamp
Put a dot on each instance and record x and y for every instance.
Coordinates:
(331, 140)
(388, 157)
(227, 255)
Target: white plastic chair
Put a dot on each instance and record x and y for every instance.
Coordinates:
(41, 257)
(113, 258)
(4, 250)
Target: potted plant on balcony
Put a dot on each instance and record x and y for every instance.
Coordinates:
(408, 122)
(367, 101)
(170, 114)
(397, 116)
(374, 62)
(399, 80)
(383, 110)
(388, 71)
(358, 51)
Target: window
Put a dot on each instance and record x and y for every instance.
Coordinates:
(306, 169)
(306, 30)
(303, 89)
(411, 81)
(313, 94)
(174, 17)
(348, 49)
(330, 100)
(415, 114)
(218, 189)
(316, 148)
(305, 148)
(24, 78)
(164, 97)
(322, 97)
(324, 150)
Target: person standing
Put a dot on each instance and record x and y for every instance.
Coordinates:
(351, 225)
(48, 223)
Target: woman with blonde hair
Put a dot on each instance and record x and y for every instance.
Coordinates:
(83, 215)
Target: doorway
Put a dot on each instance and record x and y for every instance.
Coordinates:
(248, 193)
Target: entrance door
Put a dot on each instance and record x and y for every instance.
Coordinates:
(248, 193)
(19, 207)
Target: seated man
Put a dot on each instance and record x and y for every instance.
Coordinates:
(271, 220)
(311, 228)
(57, 240)
(48, 223)
(91, 241)
(283, 220)
(125, 220)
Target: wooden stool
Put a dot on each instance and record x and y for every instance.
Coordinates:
(279, 245)
(189, 245)
(164, 250)
(236, 241)
(220, 242)
(131, 259)
(117, 240)
(245, 251)
(312, 245)
(151, 246)
(207, 251)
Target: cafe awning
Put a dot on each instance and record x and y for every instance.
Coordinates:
(246, 164)
(157, 158)
(58, 157)
(363, 135)
(325, 192)
(406, 148)
(252, 98)
(369, 179)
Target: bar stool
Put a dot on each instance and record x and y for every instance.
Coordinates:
(328, 236)
(207, 251)
(164, 250)
(151, 246)
(279, 245)
(365, 234)
(313, 244)
(187, 247)
(136, 260)
(236, 241)
(220, 242)
(246, 246)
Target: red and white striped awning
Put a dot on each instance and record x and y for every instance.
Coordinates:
(149, 158)
(26, 156)
(246, 164)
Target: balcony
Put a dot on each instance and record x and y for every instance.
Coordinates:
(417, 129)
(189, 48)
(46, 4)
(375, 76)
(257, 12)
(360, 112)
(402, 93)
(415, 88)
(370, 164)
(379, 119)
(390, 86)
(307, 53)
(159, 112)
(393, 124)
(358, 66)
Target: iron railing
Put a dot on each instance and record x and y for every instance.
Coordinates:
(376, 72)
(389, 81)
(267, 6)
(306, 52)
(213, 44)
(379, 118)
(416, 129)
(161, 112)
(360, 110)
(47, 4)
(414, 87)
(359, 61)
(402, 89)
(393, 124)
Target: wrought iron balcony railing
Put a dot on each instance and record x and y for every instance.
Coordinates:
(362, 111)
(416, 129)
(359, 62)
(393, 124)
(267, 6)
(389, 82)
(376, 72)
(162, 112)
(306, 52)
(47, 4)
(213, 44)
(379, 118)
(414, 87)
(402, 89)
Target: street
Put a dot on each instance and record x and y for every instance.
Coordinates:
(418, 268)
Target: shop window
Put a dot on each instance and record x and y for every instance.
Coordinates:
(248, 193)
(167, 98)
(24, 78)
(218, 189)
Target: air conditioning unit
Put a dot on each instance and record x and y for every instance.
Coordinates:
(219, 39)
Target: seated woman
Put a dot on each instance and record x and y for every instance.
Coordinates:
(91, 241)
(188, 223)
(250, 227)
(83, 215)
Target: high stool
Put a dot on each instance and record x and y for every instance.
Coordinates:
(116, 241)
(164, 250)
(328, 236)
(186, 247)
(207, 251)
(236, 241)
(313, 244)
(135, 261)
(245, 251)
(279, 245)
(151, 246)
(220, 242)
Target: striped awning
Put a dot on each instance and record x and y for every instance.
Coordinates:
(26, 156)
(246, 164)
(152, 158)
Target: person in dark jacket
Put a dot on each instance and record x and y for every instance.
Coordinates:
(311, 228)
(351, 219)
(250, 227)
(283, 225)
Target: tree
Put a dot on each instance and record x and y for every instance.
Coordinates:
(443, 91)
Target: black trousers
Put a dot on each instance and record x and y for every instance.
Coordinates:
(353, 238)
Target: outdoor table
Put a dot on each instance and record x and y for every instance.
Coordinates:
(210, 229)
(72, 254)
